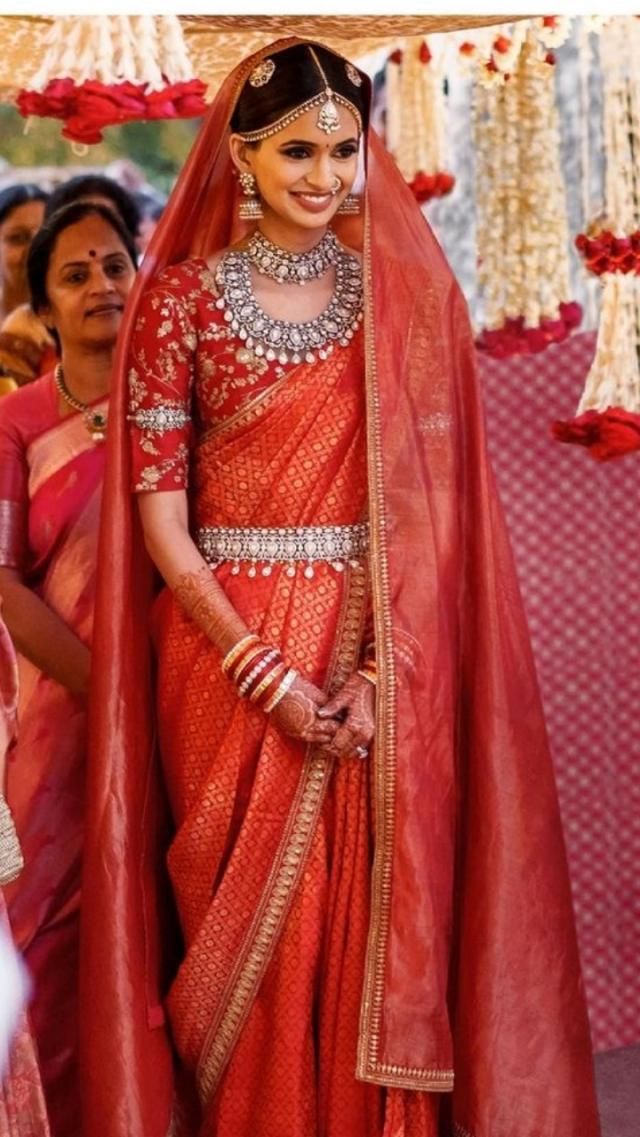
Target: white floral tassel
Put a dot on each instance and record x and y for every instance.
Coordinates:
(608, 415)
(416, 115)
(127, 60)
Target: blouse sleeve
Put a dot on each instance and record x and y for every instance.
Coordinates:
(160, 376)
(14, 490)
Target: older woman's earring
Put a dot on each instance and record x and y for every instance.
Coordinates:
(350, 205)
(250, 209)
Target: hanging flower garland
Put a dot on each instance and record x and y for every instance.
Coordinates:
(415, 122)
(522, 228)
(608, 416)
(103, 71)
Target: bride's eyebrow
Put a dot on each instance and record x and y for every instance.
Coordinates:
(314, 145)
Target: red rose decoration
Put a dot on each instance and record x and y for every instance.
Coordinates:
(571, 313)
(513, 338)
(502, 45)
(445, 183)
(90, 107)
(606, 434)
(605, 252)
(396, 56)
(425, 54)
(424, 187)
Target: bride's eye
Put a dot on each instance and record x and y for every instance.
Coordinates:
(296, 152)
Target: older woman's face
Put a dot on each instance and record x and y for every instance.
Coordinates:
(303, 174)
(89, 278)
(16, 234)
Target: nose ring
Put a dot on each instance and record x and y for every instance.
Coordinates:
(336, 185)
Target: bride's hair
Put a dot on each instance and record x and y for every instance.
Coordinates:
(294, 80)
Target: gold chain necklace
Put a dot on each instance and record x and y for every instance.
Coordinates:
(95, 421)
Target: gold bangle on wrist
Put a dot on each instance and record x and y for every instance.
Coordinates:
(281, 690)
(277, 671)
(236, 650)
(252, 652)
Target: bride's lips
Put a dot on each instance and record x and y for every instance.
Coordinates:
(314, 203)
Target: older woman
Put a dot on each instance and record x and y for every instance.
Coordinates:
(81, 267)
(27, 349)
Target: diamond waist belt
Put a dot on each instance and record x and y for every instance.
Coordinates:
(337, 545)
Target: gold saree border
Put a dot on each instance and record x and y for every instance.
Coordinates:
(72, 439)
(369, 1066)
(288, 865)
(13, 540)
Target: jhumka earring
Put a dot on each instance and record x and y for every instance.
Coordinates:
(250, 209)
(350, 205)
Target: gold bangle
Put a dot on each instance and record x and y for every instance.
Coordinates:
(252, 652)
(281, 691)
(370, 675)
(233, 652)
(268, 679)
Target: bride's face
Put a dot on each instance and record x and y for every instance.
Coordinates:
(303, 174)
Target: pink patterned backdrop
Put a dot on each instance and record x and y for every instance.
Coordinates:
(575, 528)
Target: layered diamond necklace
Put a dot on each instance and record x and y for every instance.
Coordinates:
(292, 268)
(282, 340)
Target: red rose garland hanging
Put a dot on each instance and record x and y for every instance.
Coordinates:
(608, 417)
(103, 71)
(415, 121)
(522, 229)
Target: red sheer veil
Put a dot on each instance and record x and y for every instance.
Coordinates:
(472, 965)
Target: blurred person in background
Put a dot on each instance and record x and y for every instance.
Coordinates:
(100, 190)
(151, 208)
(81, 267)
(22, 1109)
(26, 348)
(21, 215)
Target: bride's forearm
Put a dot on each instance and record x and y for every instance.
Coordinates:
(178, 559)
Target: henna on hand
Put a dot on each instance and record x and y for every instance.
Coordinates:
(355, 705)
(296, 714)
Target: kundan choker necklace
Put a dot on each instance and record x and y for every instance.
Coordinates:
(292, 268)
(279, 339)
(95, 421)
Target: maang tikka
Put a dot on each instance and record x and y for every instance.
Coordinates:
(250, 209)
(327, 101)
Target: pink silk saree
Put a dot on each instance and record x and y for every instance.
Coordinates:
(51, 488)
(22, 1109)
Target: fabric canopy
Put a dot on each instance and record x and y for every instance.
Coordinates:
(217, 43)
